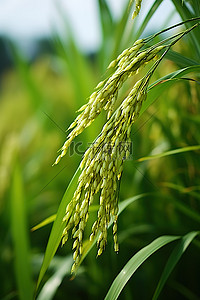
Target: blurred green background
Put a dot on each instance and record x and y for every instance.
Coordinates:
(38, 100)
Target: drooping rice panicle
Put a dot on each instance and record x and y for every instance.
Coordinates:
(127, 64)
(102, 164)
(102, 167)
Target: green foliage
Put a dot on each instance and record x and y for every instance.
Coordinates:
(20, 237)
(58, 226)
(134, 263)
(160, 184)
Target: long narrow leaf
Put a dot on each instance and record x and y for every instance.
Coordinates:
(167, 153)
(185, 13)
(148, 17)
(134, 263)
(49, 289)
(181, 60)
(106, 18)
(106, 22)
(77, 64)
(20, 238)
(120, 29)
(185, 209)
(173, 260)
(189, 190)
(44, 223)
(185, 292)
(58, 226)
(164, 83)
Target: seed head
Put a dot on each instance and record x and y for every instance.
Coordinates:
(128, 63)
(102, 163)
(137, 8)
(102, 167)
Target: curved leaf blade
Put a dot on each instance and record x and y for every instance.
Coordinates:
(173, 260)
(148, 17)
(181, 60)
(171, 152)
(49, 289)
(58, 227)
(44, 222)
(164, 83)
(134, 263)
(192, 190)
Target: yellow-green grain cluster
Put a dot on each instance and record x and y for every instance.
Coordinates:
(102, 167)
(128, 63)
(102, 164)
(137, 8)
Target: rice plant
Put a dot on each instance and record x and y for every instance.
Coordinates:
(137, 171)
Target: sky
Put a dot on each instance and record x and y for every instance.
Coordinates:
(26, 20)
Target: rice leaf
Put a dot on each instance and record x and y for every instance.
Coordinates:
(106, 18)
(186, 190)
(181, 60)
(164, 83)
(134, 263)
(106, 22)
(171, 152)
(173, 260)
(185, 209)
(148, 17)
(44, 222)
(77, 65)
(120, 29)
(58, 226)
(186, 13)
(183, 290)
(49, 289)
(20, 237)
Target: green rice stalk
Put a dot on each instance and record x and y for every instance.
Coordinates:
(102, 164)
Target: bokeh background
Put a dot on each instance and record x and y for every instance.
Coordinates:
(52, 55)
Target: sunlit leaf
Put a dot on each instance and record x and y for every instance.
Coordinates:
(44, 223)
(167, 153)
